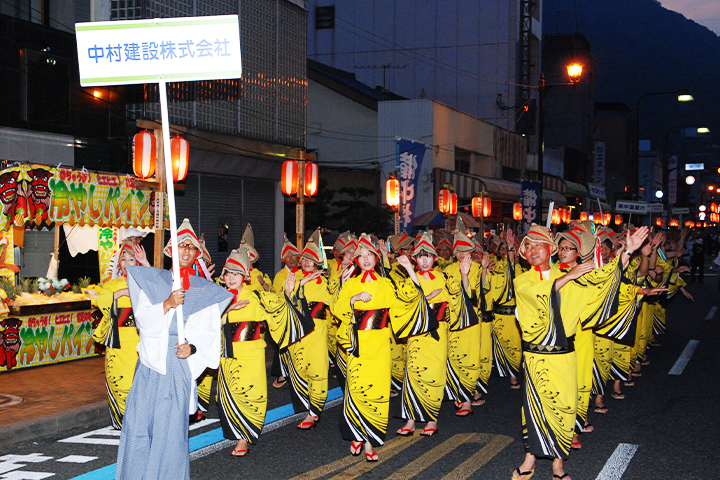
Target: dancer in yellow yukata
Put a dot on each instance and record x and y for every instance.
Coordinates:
(334, 264)
(367, 305)
(242, 386)
(425, 363)
(307, 359)
(291, 258)
(507, 348)
(551, 306)
(335, 285)
(118, 333)
(485, 308)
(443, 241)
(401, 244)
(463, 365)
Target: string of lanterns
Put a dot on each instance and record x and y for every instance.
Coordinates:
(290, 178)
(145, 155)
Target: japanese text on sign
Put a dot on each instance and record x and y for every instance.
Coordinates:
(409, 161)
(145, 51)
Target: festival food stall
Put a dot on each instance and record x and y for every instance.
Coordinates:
(44, 321)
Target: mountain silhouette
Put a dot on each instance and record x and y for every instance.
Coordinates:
(641, 47)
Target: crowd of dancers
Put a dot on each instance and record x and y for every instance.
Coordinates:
(567, 318)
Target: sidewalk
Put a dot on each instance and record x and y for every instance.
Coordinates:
(55, 398)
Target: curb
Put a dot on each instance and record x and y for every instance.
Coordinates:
(52, 424)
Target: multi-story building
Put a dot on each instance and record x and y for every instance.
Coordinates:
(470, 56)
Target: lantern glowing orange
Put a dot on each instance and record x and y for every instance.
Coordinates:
(392, 192)
(144, 154)
(714, 207)
(565, 215)
(597, 218)
(180, 154)
(444, 200)
(476, 207)
(481, 206)
(453, 204)
(606, 218)
(618, 219)
(289, 177)
(517, 211)
(674, 223)
(583, 216)
(555, 217)
(312, 175)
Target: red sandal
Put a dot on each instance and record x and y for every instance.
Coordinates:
(464, 412)
(371, 457)
(355, 448)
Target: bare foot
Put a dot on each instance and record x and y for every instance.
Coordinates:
(241, 449)
(527, 468)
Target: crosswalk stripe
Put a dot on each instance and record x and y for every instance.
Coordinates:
(618, 462)
(682, 362)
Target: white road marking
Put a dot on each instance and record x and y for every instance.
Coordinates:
(682, 362)
(22, 475)
(105, 432)
(618, 462)
(76, 459)
(13, 462)
(712, 313)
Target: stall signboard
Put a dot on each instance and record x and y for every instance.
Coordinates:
(530, 205)
(43, 339)
(38, 196)
(108, 243)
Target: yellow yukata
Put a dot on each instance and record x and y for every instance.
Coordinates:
(507, 345)
(367, 390)
(397, 347)
(118, 333)
(242, 384)
(307, 359)
(608, 337)
(426, 354)
(548, 322)
(463, 365)
(443, 264)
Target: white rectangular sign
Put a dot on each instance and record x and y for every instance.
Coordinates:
(171, 49)
(694, 166)
(681, 211)
(596, 191)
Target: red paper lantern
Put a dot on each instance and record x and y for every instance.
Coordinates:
(453, 204)
(312, 175)
(618, 219)
(481, 205)
(517, 211)
(583, 216)
(144, 154)
(179, 153)
(444, 200)
(289, 177)
(392, 192)
(674, 223)
(607, 216)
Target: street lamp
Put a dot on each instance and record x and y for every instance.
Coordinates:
(667, 170)
(574, 71)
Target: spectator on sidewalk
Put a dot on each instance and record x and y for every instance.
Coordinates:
(697, 259)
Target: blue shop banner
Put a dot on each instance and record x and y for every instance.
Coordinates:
(409, 160)
(530, 207)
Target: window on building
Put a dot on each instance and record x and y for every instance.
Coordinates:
(462, 160)
(325, 17)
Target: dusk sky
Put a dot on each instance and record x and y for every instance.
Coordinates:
(704, 12)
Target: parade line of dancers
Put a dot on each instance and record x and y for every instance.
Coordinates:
(564, 317)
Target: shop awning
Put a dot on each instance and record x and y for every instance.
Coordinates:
(467, 186)
(573, 189)
(553, 196)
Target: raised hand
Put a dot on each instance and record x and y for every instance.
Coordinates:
(382, 246)
(687, 294)
(140, 255)
(405, 262)
(653, 291)
(510, 238)
(636, 240)
(290, 283)
(465, 265)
